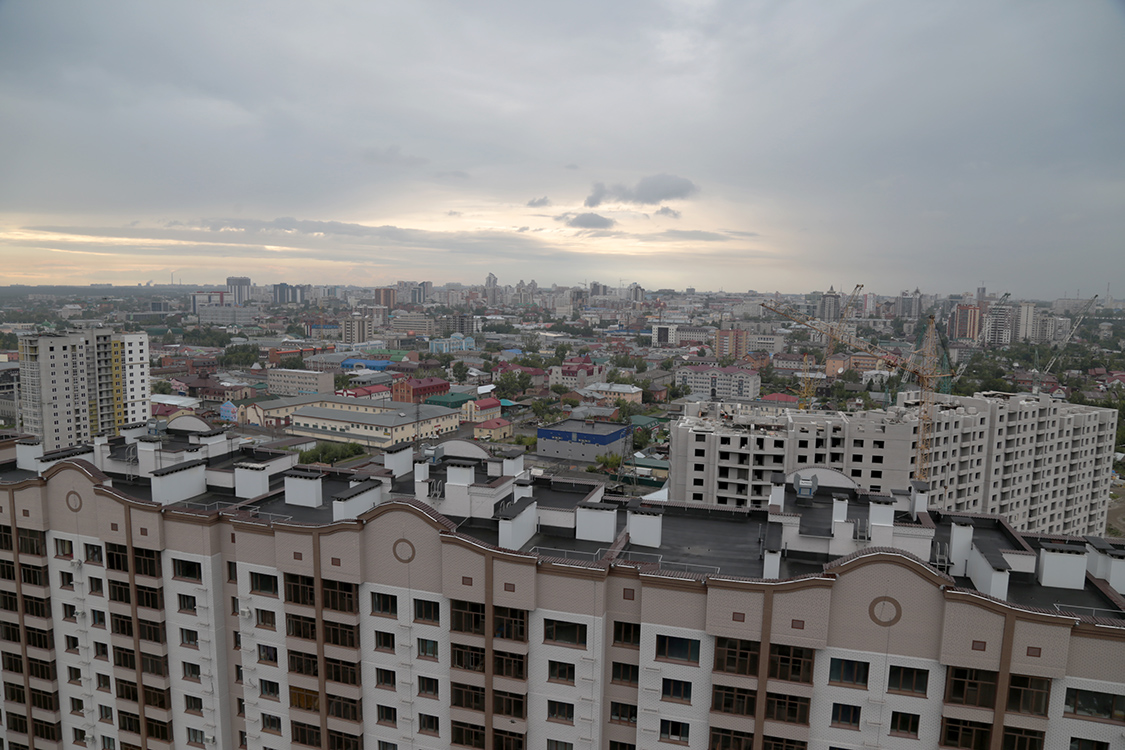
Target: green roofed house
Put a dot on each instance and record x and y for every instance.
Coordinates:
(450, 400)
(648, 423)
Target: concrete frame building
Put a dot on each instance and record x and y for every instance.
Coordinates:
(449, 598)
(720, 383)
(1044, 465)
(74, 385)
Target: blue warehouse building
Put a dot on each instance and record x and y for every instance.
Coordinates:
(577, 440)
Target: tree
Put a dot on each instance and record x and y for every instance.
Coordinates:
(560, 389)
(523, 381)
(330, 453)
(162, 387)
(610, 461)
(460, 371)
(530, 342)
(341, 381)
(641, 438)
(292, 363)
(561, 351)
(507, 385)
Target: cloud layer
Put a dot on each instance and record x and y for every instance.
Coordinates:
(795, 145)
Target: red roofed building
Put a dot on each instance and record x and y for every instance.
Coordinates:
(493, 429)
(415, 391)
(481, 410)
(782, 398)
(538, 376)
(370, 392)
(577, 372)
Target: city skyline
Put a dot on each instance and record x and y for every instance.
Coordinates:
(677, 145)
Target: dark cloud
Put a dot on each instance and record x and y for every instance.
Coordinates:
(586, 221)
(649, 191)
(539, 202)
(666, 211)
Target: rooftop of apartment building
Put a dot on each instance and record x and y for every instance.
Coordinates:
(816, 517)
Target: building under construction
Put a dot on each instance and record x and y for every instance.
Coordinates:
(1045, 465)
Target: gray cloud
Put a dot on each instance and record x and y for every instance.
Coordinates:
(586, 221)
(539, 202)
(392, 156)
(667, 211)
(650, 190)
(571, 166)
(694, 234)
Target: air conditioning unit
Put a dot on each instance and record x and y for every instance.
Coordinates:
(245, 612)
(90, 738)
(209, 739)
(79, 613)
(76, 563)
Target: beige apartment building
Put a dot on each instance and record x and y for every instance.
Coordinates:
(447, 598)
(1043, 464)
(281, 382)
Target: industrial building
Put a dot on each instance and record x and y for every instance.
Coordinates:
(448, 598)
(1044, 465)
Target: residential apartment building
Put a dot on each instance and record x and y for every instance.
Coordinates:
(732, 342)
(76, 384)
(417, 324)
(1044, 465)
(450, 599)
(357, 329)
(417, 390)
(282, 382)
(576, 372)
(720, 382)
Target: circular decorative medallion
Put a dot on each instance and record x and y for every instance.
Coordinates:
(74, 501)
(403, 550)
(885, 611)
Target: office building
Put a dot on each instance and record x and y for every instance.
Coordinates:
(77, 384)
(451, 599)
(1044, 465)
(239, 288)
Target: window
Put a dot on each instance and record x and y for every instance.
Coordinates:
(1093, 704)
(339, 634)
(908, 680)
(469, 658)
(509, 704)
(427, 648)
(340, 596)
(627, 674)
(510, 624)
(677, 649)
(66, 579)
(1022, 739)
(189, 638)
(559, 745)
(971, 687)
(308, 700)
(466, 735)
(386, 715)
(262, 583)
(384, 641)
(1028, 695)
(428, 724)
(300, 627)
(627, 634)
(193, 704)
(615, 745)
(64, 548)
(676, 690)
(300, 589)
(560, 631)
(427, 611)
(266, 618)
(385, 605)
(731, 739)
(622, 713)
(673, 731)
(302, 663)
(343, 708)
(232, 572)
(385, 678)
(559, 711)
(791, 663)
(965, 734)
(848, 672)
(735, 656)
(467, 696)
(731, 700)
(187, 603)
(304, 734)
(903, 724)
(844, 715)
(467, 617)
(191, 571)
(270, 689)
(788, 708)
(267, 654)
(560, 671)
(271, 723)
(428, 686)
(94, 554)
(1077, 743)
(96, 586)
(509, 665)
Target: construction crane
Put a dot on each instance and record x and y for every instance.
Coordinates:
(923, 364)
(1038, 380)
(844, 313)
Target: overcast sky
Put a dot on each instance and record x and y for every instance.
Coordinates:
(722, 145)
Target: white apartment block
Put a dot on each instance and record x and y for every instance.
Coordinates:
(448, 599)
(82, 383)
(1046, 466)
(721, 383)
